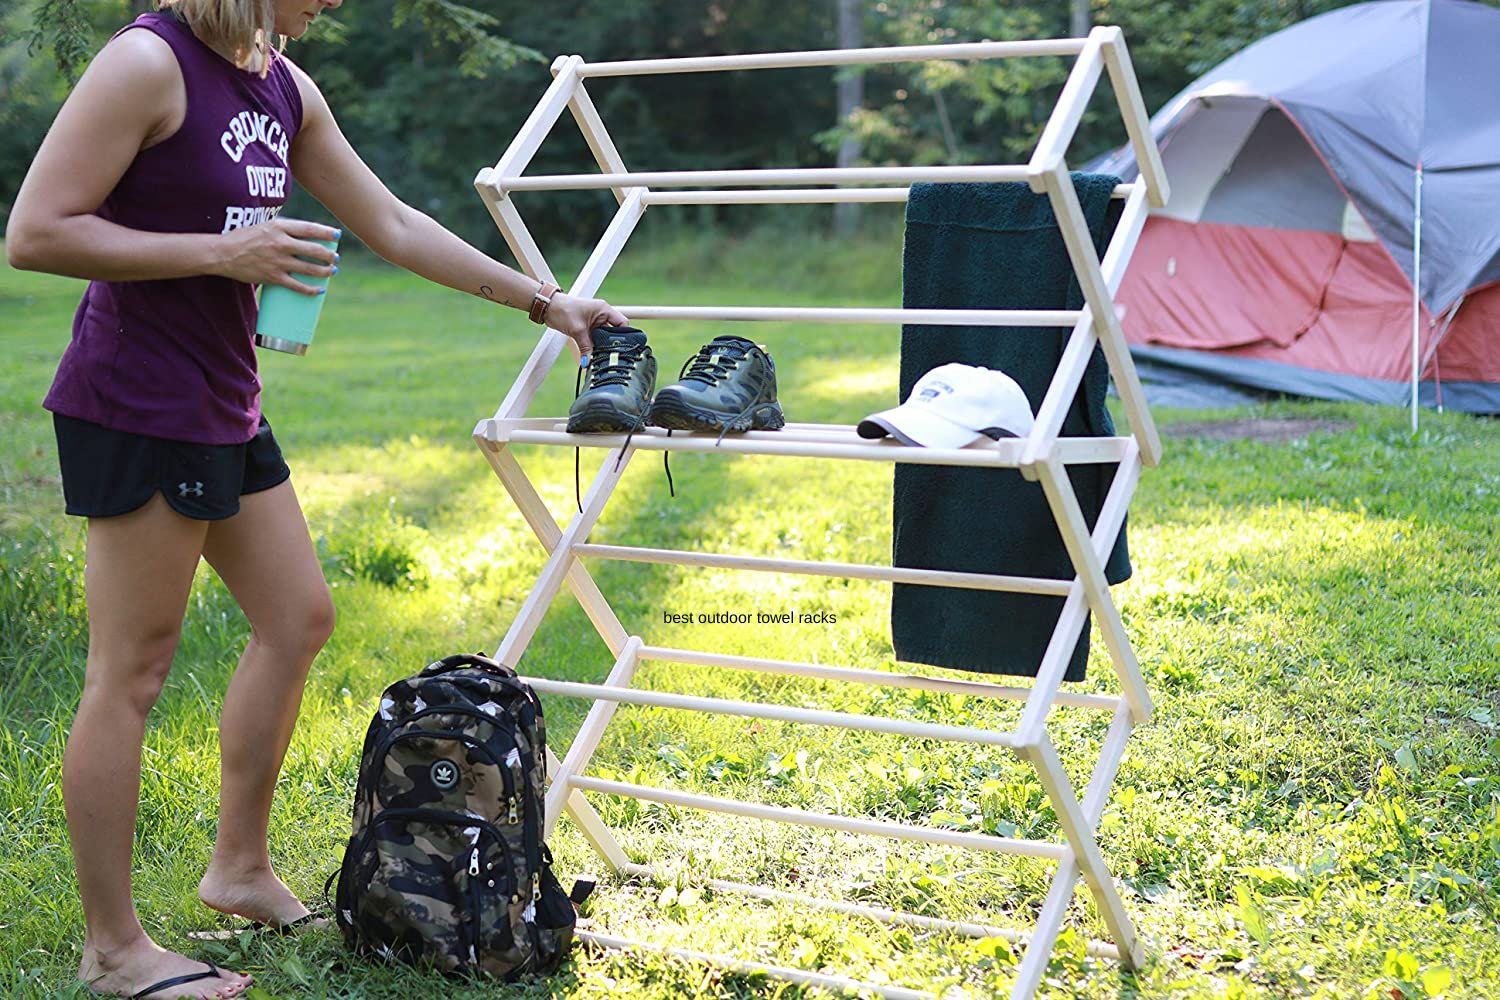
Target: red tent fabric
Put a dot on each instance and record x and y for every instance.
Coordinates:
(1310, 299)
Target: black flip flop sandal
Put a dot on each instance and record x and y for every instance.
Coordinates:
(209, 971)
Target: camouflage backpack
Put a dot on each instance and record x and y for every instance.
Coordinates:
(446, 862)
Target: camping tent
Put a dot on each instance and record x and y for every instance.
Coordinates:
(1334, 224)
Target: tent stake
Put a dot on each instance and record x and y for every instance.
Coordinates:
(1416, 297)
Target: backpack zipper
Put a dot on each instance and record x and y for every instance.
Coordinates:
(441, 817)
(475, 686)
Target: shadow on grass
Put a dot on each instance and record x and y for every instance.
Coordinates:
(1304, 611)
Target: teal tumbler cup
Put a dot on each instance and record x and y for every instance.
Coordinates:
(287, 318)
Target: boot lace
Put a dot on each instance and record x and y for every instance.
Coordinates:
(714, 362)
(613, 368)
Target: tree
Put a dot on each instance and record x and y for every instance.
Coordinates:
(1081, 19)
(851, 94)
(61, 27)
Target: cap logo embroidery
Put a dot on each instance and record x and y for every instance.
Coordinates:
(935, 389)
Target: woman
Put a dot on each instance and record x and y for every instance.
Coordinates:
(160, 181)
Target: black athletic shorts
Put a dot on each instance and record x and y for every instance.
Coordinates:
(108, 472)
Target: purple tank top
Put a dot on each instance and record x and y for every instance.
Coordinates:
(175, 358)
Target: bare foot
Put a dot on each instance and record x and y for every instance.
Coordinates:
(255, 894)
(127, 971)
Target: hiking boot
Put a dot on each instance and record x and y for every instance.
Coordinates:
(728, 386)
(622, 376)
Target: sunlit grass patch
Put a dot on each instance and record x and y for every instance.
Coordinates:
(1311, 813)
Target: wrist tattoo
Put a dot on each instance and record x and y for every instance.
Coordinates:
(487, 292)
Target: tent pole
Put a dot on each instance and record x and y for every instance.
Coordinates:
(1437, 338)
(1416, 297)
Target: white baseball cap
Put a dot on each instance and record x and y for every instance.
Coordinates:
(953, 406)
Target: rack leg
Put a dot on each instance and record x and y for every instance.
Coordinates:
(1090, 567)
(1096, 293)
(562, 559)
(594, 829)
(563, 565)
(1070, 623)
(581, 750)
(1039, 948)
(534, 510)
(1079, 832)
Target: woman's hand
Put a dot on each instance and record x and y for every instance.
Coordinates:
(269, 254)
(578, 317)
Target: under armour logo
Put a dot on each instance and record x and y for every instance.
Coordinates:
(195, 490)
(444, 774)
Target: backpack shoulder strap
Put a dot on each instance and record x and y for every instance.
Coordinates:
(458, 660)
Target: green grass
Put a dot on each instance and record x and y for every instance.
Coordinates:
(1312, 813)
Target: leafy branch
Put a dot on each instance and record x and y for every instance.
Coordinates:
(480, 50)
(60, 25)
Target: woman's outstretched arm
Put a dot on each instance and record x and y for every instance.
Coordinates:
(325, 164)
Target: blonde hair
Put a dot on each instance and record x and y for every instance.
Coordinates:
(239, 29)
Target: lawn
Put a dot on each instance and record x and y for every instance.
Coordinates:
(1314, 811)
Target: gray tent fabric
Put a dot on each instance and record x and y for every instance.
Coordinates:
(1201, 380)
(1235, 149)
(1378, 89)
(1276, 155)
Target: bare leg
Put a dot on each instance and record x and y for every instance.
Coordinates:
(266, 559)
(139, 569)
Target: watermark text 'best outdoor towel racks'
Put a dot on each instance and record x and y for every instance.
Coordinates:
(1041, 456)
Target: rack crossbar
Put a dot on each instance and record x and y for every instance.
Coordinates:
(503, 184)
(852, 571)
(800, 196)
(780, 713)
(798, 443)
(966, 928)
(836, 57)
(801, 977)
(802, 817)
(976, 689)
(808, 314)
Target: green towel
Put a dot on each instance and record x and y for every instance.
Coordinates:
(993, 246)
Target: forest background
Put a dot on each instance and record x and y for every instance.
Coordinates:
(429, 91)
